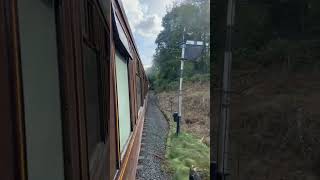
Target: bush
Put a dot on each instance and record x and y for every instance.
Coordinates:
(186, 151)
(199, 78)
(292, 55)
(165, 85)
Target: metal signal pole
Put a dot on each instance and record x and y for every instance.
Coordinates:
(223, 141)
(180, 86)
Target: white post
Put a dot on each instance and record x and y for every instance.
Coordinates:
(180, 87)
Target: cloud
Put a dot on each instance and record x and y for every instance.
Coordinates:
(146, 66)
(145, 22)
(150, 26)
(158, 6)
(141, 20)
(134, 12)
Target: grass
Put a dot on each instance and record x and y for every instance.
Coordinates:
(185, 151)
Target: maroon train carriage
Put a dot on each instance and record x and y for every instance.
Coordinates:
(73, 91)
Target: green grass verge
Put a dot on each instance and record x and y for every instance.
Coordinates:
(185, 151)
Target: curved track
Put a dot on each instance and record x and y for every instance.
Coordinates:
(153, 142)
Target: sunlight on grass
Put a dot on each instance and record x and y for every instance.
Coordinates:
(185, 151)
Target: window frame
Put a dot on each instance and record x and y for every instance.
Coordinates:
(138, 74)
(93, 158)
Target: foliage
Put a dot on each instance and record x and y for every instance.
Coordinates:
(193, 15)
(185, 151)
(199, 78)
(277, 33)
(287, 55)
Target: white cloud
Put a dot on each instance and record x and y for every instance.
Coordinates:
(150, 26)
(145, 18)
(141, 18)
(146, 66)
(134, 12)
(158, 6)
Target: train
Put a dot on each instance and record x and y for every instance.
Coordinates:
(73, 93)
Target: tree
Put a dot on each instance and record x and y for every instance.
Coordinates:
(194, 16)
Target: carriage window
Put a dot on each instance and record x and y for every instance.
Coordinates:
(41, 90)
(123, 100)
(94, 122)
(138, 92)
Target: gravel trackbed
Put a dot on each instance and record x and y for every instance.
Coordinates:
(153, 142)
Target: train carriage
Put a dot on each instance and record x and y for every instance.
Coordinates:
(73, 91)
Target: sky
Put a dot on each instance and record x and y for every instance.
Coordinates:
(145, 18)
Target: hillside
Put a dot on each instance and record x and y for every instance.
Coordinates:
(191, 147)
(196, 107)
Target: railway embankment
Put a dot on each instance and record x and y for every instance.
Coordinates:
(190, 149)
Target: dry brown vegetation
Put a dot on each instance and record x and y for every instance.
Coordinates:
(275, 124)
(196, 108)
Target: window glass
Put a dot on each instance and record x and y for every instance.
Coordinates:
(138, 86)
(94, 123)
(41, 91)
(123, 100)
